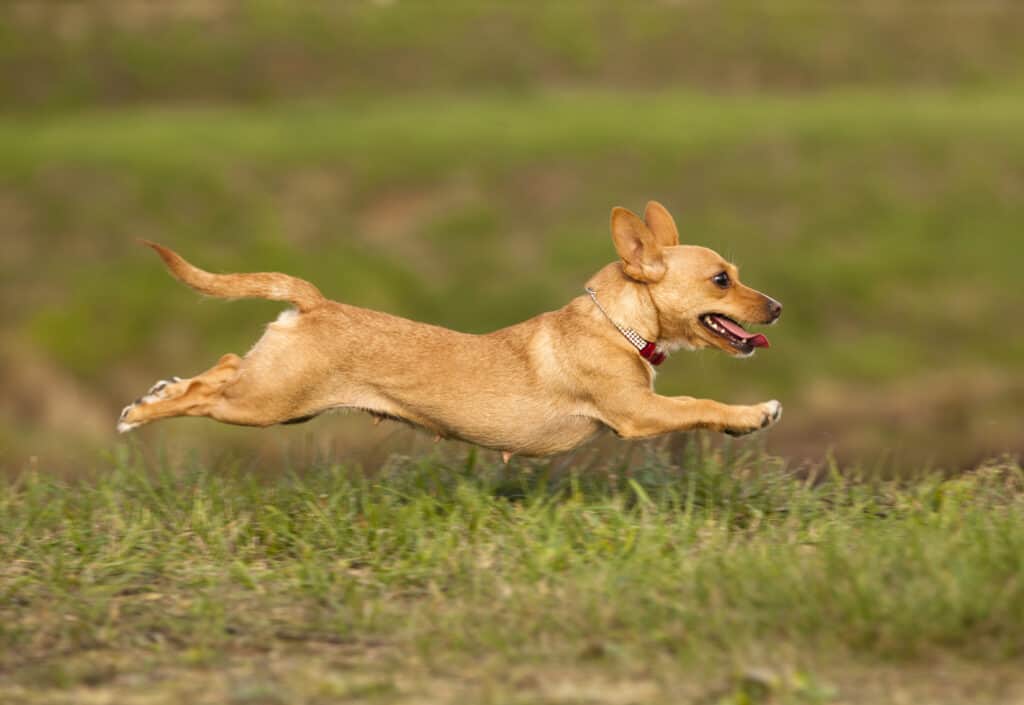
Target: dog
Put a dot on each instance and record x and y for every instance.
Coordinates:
(536, 388)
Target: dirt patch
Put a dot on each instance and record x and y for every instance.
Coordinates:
(952, 417)
(395, 220)
(38, 392)
(326, 673)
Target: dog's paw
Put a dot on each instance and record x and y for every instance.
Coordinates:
(772, 413)
(131, 416)
(760, 416)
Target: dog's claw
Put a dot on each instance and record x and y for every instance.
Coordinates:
(122, 425)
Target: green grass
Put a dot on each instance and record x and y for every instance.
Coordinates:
(673, 577)
(59, 56)
(455, 162)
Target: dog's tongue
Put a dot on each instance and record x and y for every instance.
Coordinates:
(755, 339)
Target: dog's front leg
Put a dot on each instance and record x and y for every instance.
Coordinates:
(648, 414)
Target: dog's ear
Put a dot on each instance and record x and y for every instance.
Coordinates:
(637, 246)
(662, 224)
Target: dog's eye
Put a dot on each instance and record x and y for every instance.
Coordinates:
(721, 280)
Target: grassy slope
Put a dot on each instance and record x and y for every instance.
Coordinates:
(119, 51)
(434, 581)
(889, 225)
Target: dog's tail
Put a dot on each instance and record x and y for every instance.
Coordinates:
(262, 285)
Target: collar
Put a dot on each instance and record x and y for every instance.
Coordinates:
(647, 349)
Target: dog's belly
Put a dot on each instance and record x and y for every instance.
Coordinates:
(526, 435)
(560, 436)
(517, 425)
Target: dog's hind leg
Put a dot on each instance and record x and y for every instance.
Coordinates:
(195, 396)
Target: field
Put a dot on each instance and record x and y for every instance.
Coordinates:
(888, 227)
(456, 162)
(873, 186)
(694, 576)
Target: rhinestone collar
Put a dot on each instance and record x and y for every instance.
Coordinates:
(647, 349)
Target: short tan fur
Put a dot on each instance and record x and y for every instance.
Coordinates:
(539, 387)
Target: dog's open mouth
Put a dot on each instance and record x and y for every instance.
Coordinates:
(733, 333)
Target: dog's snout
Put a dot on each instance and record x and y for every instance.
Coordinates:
(774, 309)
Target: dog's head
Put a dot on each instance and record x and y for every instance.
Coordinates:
(700, 300)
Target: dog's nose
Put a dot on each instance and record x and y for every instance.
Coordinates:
(774, 308)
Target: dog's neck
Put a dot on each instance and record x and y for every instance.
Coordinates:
(627, 305)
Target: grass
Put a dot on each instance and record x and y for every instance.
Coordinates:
(697, 576)
(456, 162)
(71, 56)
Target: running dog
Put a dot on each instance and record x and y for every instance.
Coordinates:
(539, 387)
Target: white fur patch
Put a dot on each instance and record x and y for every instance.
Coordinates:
(670, 346)
(288, 317)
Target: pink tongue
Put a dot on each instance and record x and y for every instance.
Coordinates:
(755, 339)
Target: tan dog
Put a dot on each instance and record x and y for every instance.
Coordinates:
(539, 387)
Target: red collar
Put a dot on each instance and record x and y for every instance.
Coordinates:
(647, 349)
(651, 353)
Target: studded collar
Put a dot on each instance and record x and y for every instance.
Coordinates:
(648, 350)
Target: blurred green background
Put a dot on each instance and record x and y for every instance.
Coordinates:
(455, 162)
